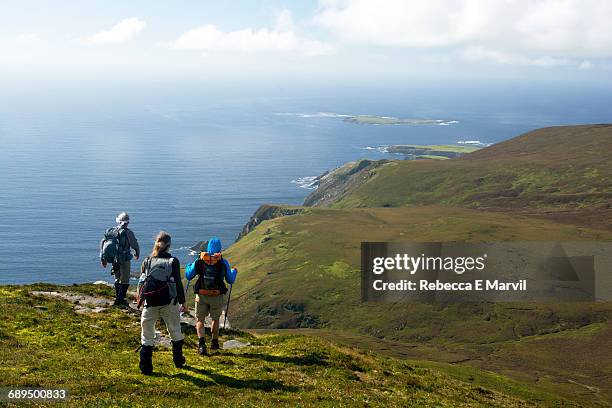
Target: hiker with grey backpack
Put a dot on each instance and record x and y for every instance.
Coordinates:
(116, 249)
(160, 291)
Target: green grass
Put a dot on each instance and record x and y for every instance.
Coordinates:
(45, 344)
(454, 148)
(313, 259)
(431, 157)
(437, 148)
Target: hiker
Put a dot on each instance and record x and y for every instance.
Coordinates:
(212, 271)
(160, 289)
(116, 248)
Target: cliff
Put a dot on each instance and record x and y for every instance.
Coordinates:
(339, 182)
(267, 212)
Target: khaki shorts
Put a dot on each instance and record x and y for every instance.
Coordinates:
(209, 304)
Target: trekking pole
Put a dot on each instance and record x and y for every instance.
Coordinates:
(189, 281)
(229, 296)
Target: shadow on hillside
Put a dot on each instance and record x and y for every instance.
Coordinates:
(309, 359)
(198, 382)
(220, 379)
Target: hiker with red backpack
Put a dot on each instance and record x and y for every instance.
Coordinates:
(116, 248)
(160, 290)
(212, 271)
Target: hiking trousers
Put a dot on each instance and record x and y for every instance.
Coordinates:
(122, 273)
(172, 319)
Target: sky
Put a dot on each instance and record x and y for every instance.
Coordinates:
(343, 40)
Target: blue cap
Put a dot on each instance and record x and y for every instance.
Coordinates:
(214, 245)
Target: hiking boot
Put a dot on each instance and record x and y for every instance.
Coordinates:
(177, 353)
(121, 294)
(121, 304)
(146, 360)
(202, 347)
(214, 344)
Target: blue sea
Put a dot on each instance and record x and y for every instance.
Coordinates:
(197, 160)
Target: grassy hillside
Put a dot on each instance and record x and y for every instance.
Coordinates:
(561, 173)
(303, 271)
(45, 343)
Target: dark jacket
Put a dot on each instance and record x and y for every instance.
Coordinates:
(176, 274)
(199, 271)
(132, 241)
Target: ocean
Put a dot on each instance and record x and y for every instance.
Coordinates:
(198, 160)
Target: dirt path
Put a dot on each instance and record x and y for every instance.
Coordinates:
(86, 304)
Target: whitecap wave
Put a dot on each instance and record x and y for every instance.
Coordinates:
(381, 149)
(446, 122)
(187, 249)
(308, 182)
(474, 143)
(313, 114)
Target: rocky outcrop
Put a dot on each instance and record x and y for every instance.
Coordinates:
(267, 212)
(200, 246)
(334, 185)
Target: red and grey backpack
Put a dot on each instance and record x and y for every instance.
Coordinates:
(156, 286)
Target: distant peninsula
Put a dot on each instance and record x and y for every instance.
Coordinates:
(371, 119)
(390, 120)
(439, 152)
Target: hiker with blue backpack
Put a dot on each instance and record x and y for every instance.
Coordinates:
(212, 272)
(160, 291)
(116, 249)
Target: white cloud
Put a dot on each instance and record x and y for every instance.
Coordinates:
(119, 33)
(283, 38)
(393, 22)
(526, 32)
